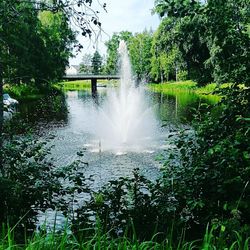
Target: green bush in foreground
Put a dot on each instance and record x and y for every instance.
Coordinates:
(209, 186)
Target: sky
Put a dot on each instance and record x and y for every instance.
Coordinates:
(122, 15)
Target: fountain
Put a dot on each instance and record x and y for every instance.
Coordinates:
(125, 122)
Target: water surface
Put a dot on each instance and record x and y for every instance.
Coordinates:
(72, 140)
(65, 122)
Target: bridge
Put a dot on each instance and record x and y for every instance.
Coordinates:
(93, 79)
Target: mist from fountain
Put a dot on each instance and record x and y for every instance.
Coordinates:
(125, 121)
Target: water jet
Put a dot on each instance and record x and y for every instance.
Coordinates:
(125, 121)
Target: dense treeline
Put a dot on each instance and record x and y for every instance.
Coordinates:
(204, 42)
(35, 45)
(36, 41)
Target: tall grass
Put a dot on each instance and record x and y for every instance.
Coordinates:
(185, 86)
(98, 240)
(176, 86)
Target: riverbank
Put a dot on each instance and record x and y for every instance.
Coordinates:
(84, 84)
(184, 86)
(167, 87)
(25, 92)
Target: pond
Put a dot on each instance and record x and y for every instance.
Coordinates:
(69, 132)
(66, 124)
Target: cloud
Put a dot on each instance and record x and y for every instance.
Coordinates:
(130, 15)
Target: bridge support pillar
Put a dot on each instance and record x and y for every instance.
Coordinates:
(94, 85)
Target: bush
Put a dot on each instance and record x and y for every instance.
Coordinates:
(212, 181)
(31, 183)
(206, 181)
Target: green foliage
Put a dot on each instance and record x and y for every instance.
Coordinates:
(112, 46)
(228, 40)
(58, 39)
(177, 8)
(191, 41)
(140, 54)
(30, 183)
(166, 58)
(75, 85)
(99, 240)
(180, 45)
(212, 181)
(24, 91)
(189, 86)
(211, 39)
(185, 85)
(86, 64)
(225, 148)
(34, 46)
(96, 63)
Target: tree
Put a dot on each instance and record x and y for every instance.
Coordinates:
(186, 25)
(140, 54)
(86, 64)
(112, 54)
(96, 63)
(58, 40)
(191, 39)
(176, 8)
(26, 43)
(228, 40)
(213, 46)
(166, 57)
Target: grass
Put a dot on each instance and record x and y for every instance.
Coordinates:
(75, 85)
(98, 240)
(179, 86)
(185, 86)
(23, 91)
(83, 84)
(27, 91)
(31, 92)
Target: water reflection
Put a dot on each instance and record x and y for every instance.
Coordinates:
(174, 107)
(72, 134)
(178, 107)
(48, 109)
(68, 118)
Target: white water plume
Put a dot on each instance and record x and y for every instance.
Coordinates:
(125, 122)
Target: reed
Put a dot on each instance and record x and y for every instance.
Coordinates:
(99, 240)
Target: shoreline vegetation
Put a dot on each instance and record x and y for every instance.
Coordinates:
(83, 84)
(31, 92)
(186, 86)
(100, 240)
(228, 230)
